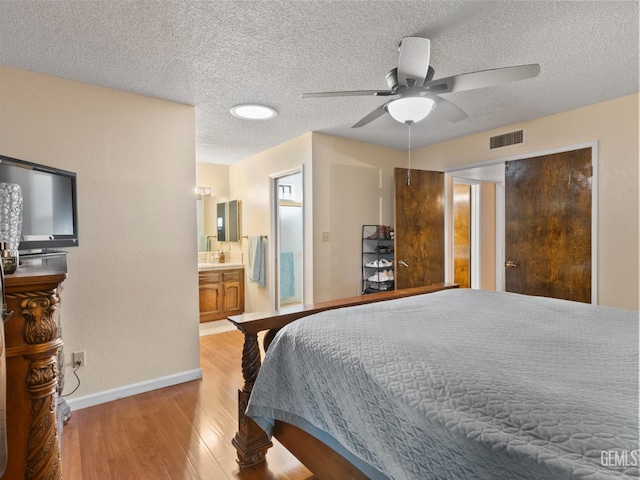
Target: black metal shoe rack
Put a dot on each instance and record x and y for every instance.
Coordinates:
(377, 250)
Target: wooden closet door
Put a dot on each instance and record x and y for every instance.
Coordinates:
(419, 228)
(548, 225)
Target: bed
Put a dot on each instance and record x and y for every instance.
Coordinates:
(446, 384)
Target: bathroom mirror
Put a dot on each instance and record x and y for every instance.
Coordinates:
(233, 225)
(221, 222)
(207, 221)
(218, 221)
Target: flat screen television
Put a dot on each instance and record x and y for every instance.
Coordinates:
(49, 196)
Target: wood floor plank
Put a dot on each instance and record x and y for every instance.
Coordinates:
(170, 443)
(71, 451)
(182, 432)
(176, 426)
(94, 461)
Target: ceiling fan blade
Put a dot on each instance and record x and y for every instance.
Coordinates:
(378, 112)
(413, 63)
(485, 78)
(353, 93)
(447, 110)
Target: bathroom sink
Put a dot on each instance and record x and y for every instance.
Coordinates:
(218, 266)
(206, 265)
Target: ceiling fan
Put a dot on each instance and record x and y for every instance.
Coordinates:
(418, 94)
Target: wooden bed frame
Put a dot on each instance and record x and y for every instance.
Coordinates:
(251, 442)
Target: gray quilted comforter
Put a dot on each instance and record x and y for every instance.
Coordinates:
(462, 384)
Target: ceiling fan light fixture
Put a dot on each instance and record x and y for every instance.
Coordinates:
(253, 111)
(410, 109)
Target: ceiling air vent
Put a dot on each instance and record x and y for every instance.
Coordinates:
(506, 139)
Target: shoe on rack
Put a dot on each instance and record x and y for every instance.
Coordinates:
(382, 263)
(389, 274)
(379, 233)
(379, 277)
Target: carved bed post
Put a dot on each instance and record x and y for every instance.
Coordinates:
(251, 442)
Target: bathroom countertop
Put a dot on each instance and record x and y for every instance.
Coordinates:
(203, 267)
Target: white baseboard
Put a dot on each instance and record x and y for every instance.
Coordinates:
(133, 389)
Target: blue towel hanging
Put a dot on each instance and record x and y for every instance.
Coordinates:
(256, 260)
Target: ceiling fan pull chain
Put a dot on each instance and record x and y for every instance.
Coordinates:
(409, 169)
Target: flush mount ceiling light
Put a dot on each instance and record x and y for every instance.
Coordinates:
(410, 109)
(252, 111)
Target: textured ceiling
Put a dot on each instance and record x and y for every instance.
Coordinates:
(215, 54)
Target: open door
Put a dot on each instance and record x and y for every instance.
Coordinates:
(462, 234)
(548, 202)
(289, 238)
(419, 228)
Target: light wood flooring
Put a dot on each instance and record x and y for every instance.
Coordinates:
(179, 432)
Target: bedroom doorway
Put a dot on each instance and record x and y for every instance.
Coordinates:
(289, 242)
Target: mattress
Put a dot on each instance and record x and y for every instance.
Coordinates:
(462, 384)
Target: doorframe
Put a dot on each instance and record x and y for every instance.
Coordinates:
(274, 247)
(500, 229)
(500, 213)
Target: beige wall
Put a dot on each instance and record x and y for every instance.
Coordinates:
(347, 184)
(130, 300)
(250, 182)
(614, 125)
(214, 176)
(487, 236)
(353, 186)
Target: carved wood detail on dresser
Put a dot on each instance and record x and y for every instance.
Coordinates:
(34, 378)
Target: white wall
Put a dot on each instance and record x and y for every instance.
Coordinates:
(614, 124)
(130, 300)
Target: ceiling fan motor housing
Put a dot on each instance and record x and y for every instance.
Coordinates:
(392, 79)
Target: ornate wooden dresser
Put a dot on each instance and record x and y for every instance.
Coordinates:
(34, 381)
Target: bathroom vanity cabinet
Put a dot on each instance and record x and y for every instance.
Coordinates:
(221, 292)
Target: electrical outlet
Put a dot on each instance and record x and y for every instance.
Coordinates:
(78, 359)
(325, 237)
